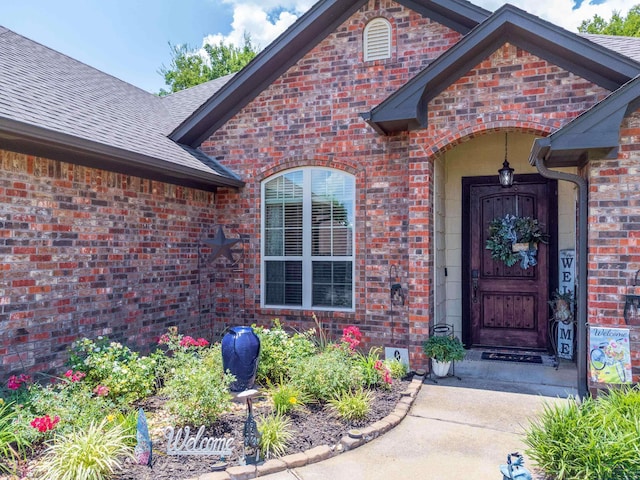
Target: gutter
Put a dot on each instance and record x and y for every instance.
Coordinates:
(38, 141)
(537, 158)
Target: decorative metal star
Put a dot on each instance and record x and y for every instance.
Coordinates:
(221, 245)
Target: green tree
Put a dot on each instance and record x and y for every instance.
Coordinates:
(189, 68)
(628, 26)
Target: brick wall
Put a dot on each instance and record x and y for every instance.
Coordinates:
(91, 252)
(311, 116)
(87, 252)
(614, 234)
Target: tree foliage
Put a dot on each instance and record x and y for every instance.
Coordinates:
(628, 26)
(189, 67)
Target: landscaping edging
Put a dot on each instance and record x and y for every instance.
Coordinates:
(323, 452)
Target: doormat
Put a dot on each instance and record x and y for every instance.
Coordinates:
(511, 357)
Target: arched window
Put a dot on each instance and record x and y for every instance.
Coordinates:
(308, 240)
(377, 40)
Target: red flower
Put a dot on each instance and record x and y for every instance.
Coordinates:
(14, 383)
(164, 338)
(188, 341)
(44, 424)
(74, 377)
(101, 391)
(352, 336)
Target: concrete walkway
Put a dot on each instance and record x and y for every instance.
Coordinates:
(452, 432)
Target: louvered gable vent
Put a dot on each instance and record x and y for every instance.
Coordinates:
(377, 40)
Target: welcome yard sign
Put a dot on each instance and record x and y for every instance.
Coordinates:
(609, 355)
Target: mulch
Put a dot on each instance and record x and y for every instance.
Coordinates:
(313, 426)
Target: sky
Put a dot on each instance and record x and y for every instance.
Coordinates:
(130, 39)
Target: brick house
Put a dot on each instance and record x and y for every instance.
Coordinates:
(356, 156)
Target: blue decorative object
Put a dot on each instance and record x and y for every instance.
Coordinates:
(240, 352)
(514, 469)
(143, 451)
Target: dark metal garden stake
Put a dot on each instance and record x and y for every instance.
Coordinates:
(251, 433)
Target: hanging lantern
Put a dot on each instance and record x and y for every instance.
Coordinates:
(505, 174)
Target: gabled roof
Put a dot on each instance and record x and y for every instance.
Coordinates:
(57, 107)
(593, 134)
(406, 109)
(309, 30)
(627, 46)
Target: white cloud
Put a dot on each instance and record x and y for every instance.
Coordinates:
(263, 21)
(266, 19)
(561, 12)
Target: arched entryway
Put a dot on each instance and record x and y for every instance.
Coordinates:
(475, 161)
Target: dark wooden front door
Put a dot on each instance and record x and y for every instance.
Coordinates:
(506, 306)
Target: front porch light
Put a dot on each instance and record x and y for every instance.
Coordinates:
(505, 174)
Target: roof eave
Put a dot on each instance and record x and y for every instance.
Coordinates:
(595, 134)
(509, 24)
(292, 45)
(275, 59)
(463, 18)
(32, 140)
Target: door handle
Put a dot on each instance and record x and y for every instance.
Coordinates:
(474, 282)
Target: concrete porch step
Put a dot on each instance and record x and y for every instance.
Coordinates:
(517, 377)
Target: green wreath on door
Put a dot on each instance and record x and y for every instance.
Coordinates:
(514, 238)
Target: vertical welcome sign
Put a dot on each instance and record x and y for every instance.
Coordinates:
(609, 355)
(567, 273)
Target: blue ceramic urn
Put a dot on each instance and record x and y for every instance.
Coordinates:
(240, 352)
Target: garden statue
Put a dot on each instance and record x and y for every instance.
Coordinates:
(514, 469)
(143, 451)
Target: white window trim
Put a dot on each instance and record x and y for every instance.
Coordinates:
(306, 257)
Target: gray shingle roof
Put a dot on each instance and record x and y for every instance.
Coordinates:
(42, 89)
(627, 46)
(183, 103)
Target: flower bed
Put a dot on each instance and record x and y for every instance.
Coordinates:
(312, 392)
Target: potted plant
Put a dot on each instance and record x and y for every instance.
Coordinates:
(443, 349)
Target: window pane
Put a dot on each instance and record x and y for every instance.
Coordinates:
(315, 206)
(283, 215)
(332, 200)
(283, 283)
(332, 284)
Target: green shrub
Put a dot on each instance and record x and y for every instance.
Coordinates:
(73, 402)
(373, 370)
(352, 406)
(275, 432)
(326, 374)
(592, 440)
(279, 350)
(12, 443)
(286, 397)
(127, 375)
(397, 369)
(197, 387)
(92, 453)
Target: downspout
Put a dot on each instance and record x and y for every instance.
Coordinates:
(581, 303)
